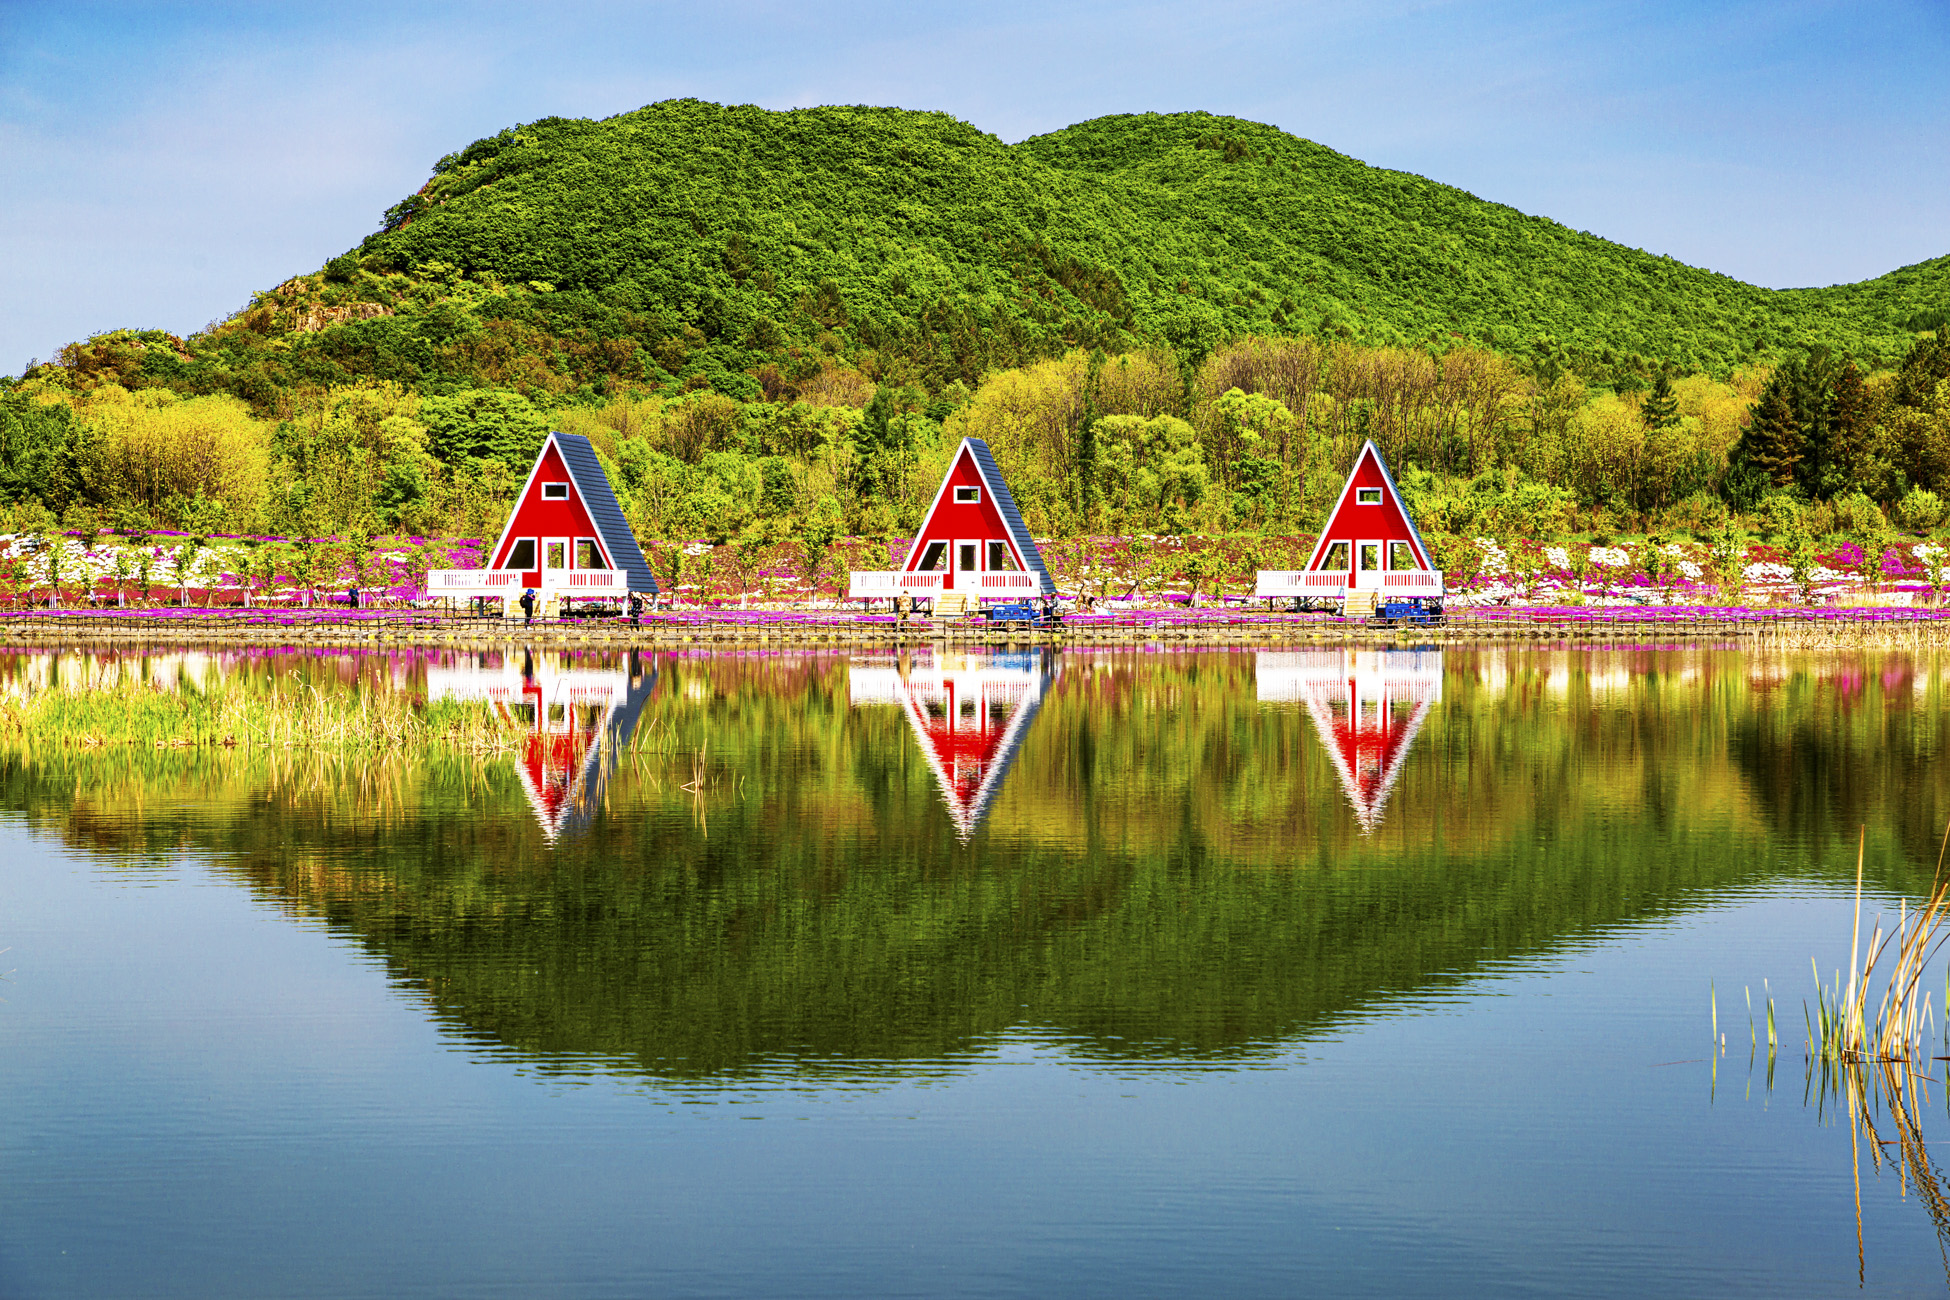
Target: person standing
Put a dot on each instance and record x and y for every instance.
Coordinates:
(636, 609)
(903, 606)
(528, 607)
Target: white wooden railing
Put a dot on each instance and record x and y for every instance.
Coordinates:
(873, 584)
(1299, 582)
(502, 582)
(1418, 582)
(864, 584)
(1280, 583)
(450, 582)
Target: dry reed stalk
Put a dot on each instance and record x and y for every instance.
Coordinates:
(1843, 1030)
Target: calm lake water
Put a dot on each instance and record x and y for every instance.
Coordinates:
(1058, 973)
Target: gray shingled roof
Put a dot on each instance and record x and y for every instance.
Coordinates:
(1012, 517)
(592, 485)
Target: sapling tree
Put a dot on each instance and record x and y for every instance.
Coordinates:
(1801, 561)
(1729, 557)
(144, 566)
(247, 567)
(188, 556)
(121, 567)
(1935, 557)
(54, 554)
(817, 533)
(307, 566)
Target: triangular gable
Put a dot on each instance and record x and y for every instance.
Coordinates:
(1352, 698)
(970, 764)
(1367, 756)
(1332, 529)
(598, 501)
(1016, 531)
(562, 769)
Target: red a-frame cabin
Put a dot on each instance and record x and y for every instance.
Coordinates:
(973, 541)
(1369, 544)
(566, 537)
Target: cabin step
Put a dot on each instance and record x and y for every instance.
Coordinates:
(1359, 604)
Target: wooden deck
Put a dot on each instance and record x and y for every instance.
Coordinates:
(1783, 627)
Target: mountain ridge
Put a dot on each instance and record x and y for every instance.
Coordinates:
(687, 244)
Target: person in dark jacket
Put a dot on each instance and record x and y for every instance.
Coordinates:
(636, 609)
(528, 606)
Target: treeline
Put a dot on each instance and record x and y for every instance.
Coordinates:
(1255, 439)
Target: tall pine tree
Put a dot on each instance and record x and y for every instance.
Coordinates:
(1771, 444)
(1809, 387)
(1660, 409)
(1926, 365)
(1852, 463)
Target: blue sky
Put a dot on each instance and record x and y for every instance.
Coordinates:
(160, 162)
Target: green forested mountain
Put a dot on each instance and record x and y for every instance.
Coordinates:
(750, 251)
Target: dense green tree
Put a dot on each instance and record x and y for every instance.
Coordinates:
(1660, 410)
(484, 424)
(1771, 445)
(38, 452)
(1925, 365)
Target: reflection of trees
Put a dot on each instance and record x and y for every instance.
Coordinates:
(1170, 871)
(1843, 740)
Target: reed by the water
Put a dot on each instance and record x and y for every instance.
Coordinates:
(286, 717)
(1842, 1027)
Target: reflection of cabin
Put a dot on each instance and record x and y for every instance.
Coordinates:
(973, 541)
(1367, 706)
(566, 538)
(969, 711)
(579, 719)
(1368, 550)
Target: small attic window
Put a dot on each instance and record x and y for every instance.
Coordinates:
(555, 491)
(967, 495)
(1367, 496)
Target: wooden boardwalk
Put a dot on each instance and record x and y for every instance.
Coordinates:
(683, 630)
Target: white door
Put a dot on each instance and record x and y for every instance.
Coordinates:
(1367, 565)
(968, 562)
(556, 558)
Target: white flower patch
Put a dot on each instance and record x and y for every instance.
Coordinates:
(1687, 569)
(1558, 556)
(696, 548)
(1611, 557)
(1767, 571)
(1673, 549)
(1927, 551)
(1822, 573)
(1495, 560)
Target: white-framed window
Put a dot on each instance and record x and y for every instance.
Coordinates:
(1367, 496)
(933, 558)
(1401, 557)
(968, 496)
(588, 554)
(521, 555)
(1335, 560)
(1000, 560)
(555, 491)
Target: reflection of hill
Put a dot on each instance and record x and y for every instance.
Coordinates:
(1172, 870)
